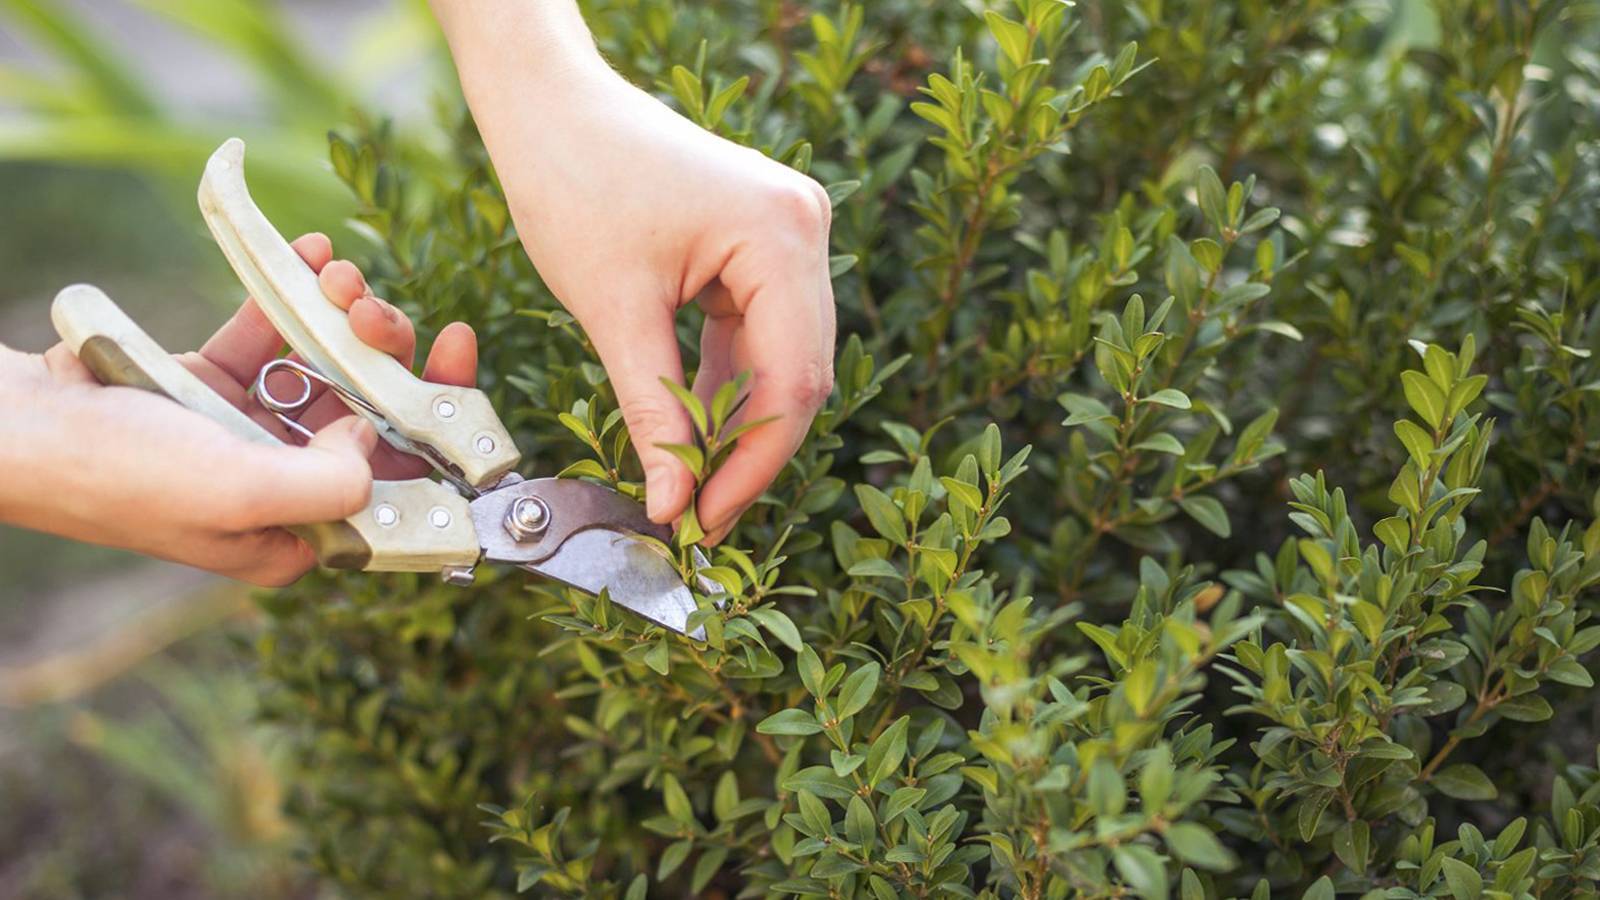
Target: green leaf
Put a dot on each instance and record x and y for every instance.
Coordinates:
(1464, 781)
(1463, 880)
(1195, 844)
(1161, 443)
(1168, 397)
(673, 857)
(858, 689)
(873, 567)
(687, 399)
(840, 190)
(779, 625)
(1142, 869)
(1525, 708)
(1213, 199)
(885, 516)
(789, 721)
(1012, 36)
(901, 800)
(1321, 889)
(887, 751)
(659, 656)
(1351, 843)
(1424, 396)
(706, 868)
(1417, 442)
(1108, 795)
(1209, 513)
(675, 800)
(859, 826)
(689, 455)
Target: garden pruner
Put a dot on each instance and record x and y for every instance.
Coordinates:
(579, 533)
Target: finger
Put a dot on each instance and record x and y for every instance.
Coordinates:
(453, 360)
(454, 357)
(639, 347)
(66, 367)
(787, 387)
(378, 324)
(324, 481)
(342, 283)
(248, 341)
(232, 391)
(272, 558)
(716, 356)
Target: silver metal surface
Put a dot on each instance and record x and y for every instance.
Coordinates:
(590, 541)
(634, 574)
(305, 375)
(526, 518)
(460, 576)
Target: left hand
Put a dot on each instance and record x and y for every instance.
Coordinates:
(127, 468)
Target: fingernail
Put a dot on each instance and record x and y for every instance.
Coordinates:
(661, 493)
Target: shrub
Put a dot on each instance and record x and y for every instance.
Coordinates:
(1045, 607)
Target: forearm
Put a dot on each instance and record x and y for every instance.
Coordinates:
(521, 62)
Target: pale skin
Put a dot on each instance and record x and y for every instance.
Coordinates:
(629, 211)
(126, 468)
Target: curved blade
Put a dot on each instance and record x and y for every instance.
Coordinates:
(587, 536)
(635, 575)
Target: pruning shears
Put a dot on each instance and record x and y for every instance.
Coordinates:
(582, 534)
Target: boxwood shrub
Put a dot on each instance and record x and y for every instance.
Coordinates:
(1206, 505)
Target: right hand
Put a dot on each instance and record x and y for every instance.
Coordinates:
(630, 212)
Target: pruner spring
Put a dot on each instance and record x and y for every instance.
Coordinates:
(285, 409)
(305, 375)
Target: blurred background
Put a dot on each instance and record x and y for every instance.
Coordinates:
(130, 764)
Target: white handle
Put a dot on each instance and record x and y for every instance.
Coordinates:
(459, 423)
(407, 526)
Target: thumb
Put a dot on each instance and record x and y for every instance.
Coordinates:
(639, 348)
(326, 480)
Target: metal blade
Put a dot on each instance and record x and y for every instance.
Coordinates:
(635, 575)
(586, 536)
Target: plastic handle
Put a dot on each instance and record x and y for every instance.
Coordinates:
(408, 526)
(458, 423)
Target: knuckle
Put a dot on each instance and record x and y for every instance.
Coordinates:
(801, 204)
(811, 385)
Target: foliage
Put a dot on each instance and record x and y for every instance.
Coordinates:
(1045, 607)
(87, 101)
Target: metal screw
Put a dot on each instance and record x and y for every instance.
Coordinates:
(386, 515)
(460, 576)
(445, 409)
(527, 518)
(439, 517)
(485, 444)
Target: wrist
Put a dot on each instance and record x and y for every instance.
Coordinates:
(519, 53)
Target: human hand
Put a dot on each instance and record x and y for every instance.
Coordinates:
(127, 468)
(630, 211)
